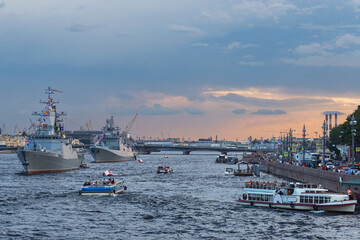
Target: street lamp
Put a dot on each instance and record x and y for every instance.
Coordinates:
(290, 136)
(324, 136)
(287, 147)
(304, 135)
(353, 134)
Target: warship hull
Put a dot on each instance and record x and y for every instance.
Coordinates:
(108, 155)
(35, 162)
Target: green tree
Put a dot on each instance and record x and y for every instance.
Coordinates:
(342, 133)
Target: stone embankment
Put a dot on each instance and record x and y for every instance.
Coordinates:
(329, 180)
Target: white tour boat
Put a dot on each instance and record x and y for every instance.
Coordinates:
(298, 196)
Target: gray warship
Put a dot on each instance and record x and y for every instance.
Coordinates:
(113, 145)
(48, 149)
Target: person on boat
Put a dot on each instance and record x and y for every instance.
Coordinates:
(349, 192)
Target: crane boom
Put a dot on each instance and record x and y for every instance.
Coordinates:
(4, 130)
(16, 130)
(131, 124)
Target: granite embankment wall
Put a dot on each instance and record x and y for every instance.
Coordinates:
(329, 180)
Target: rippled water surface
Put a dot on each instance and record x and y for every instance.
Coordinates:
(196, 201)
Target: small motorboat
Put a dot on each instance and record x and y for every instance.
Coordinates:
(223, 158)
(244, 172)
(164, 169)
(140, 161)
(84, 165)
(103, 187)
(166, 156)
(229, 171)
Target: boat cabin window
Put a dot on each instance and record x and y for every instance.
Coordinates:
(260, 197)
(316, 199)
(306, 199)
(307, 185)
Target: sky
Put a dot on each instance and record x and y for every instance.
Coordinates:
(191, 69)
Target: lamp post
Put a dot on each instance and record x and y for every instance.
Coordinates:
(304, 135)
(353, 134)
(324, 136)
(290, 136)
(287, 146)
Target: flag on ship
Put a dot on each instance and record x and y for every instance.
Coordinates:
(54, 90)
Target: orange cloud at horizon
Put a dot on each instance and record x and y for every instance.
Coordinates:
(219, 119)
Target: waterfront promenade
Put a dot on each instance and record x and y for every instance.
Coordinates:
(328, 179)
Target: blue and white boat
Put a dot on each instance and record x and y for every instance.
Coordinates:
(103, 187)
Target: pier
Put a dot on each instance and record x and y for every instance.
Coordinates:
(8, 149)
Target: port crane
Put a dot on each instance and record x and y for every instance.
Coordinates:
(16, 130)
(130, 124)
(33, 126)
(4, 130)
(89, 125)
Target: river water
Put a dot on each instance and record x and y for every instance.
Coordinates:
(197, 201)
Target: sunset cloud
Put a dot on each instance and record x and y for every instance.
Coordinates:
(266, 102)
(157, 110)
(239, 111)
(269, 112)
(193, 111)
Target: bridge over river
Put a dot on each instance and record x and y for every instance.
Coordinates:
(149, 147)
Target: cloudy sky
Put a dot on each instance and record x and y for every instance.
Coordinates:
(189, 68)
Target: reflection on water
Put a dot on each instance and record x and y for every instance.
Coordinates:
(196, 201)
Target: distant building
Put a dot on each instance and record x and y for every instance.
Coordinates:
(176, 140)
(207, 140)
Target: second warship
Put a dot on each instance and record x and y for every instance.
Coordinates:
(48, 149)
(113, 145)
